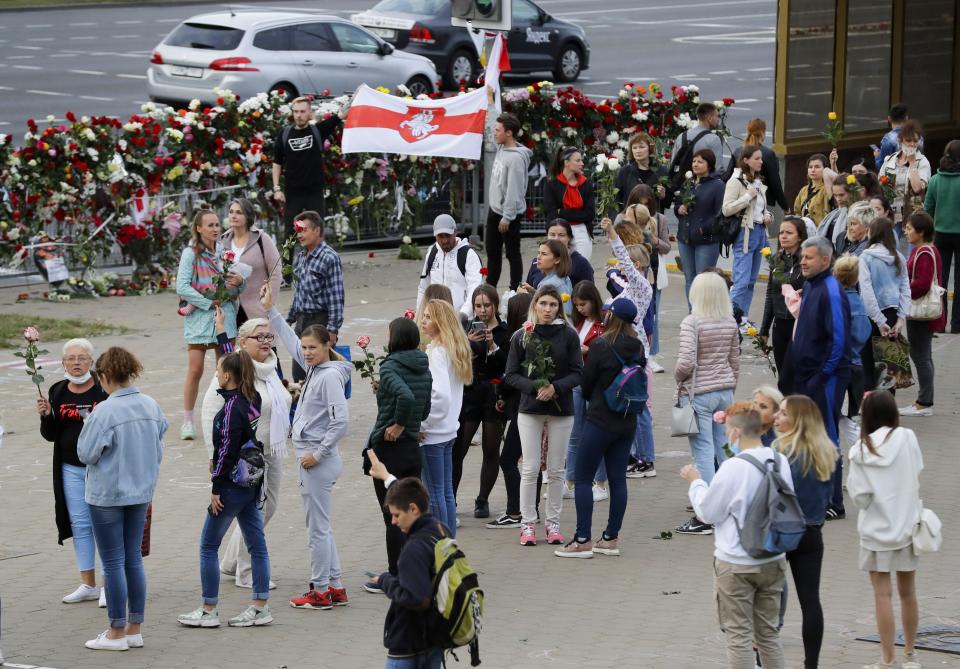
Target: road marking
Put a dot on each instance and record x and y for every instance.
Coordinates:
(94, 97)
(28, 48)
(595, 83)
(39, 25)
(747, 100)
(19, 57)
(132, 76)
(5, 88)
(759, 69)
(723, 72)
(680, 76)
(39, 39)
(126, 23)
(62, 55)
(31, 90)
(125, 36)
(167, 21)
(28, 67)
(87, 72)
(5, 123)
(83, 23)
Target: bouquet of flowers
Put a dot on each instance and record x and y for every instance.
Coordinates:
(368, 365)
(606, 175)
(687, 193)
(763, 348)
(888, 186)
(30, 353)
(221, 291)
(834, 131)
(541, 367)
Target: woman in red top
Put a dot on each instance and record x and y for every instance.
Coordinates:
(588, 322)
(924, 260)
(569, 195)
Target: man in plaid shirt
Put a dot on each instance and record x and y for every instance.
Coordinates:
(318, 290)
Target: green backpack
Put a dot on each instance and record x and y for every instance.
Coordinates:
(457, 597)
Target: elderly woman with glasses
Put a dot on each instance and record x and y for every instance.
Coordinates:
(254, 337)
(62, 414)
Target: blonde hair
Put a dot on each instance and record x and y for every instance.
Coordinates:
(847, 270)
(770, 392)
(806, 440)
(249, 327)
(195, 241)
(435, 291)
(709, 297)
(450, 336)
(863, 212)
(549, 291)
(640, 254)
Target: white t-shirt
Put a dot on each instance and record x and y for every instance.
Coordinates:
(760, 203)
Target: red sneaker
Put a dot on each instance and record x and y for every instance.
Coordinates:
(313, 600)
(338, 596)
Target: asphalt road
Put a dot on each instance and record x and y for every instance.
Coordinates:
(93, 60)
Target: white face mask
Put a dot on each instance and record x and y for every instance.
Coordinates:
(78, 380)
(909, 150)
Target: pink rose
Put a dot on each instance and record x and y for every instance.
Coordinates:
(410, 314)
(527, 327)
(31, 334)
(720, 417)
(229, 256)
(363, 341)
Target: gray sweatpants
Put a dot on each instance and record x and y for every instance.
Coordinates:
(316, 488)
(236, 557)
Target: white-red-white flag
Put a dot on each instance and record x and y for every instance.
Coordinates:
(497, 62)
(381, 123)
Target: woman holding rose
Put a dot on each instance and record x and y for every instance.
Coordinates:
(201, 267)
(696, 232)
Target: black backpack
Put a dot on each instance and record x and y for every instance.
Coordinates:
(683, 161)
(461, 260)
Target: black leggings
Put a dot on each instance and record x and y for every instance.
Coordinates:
(401, 461)
(805, 563)
(492, 435)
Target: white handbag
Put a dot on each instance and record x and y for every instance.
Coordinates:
(927, 535)
(930, 306)
(683, 419)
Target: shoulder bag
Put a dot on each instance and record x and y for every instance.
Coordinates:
(930, 306)
(927, 536)
(683, 419)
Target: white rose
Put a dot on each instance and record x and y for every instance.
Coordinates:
(718, 104)
(613, 137)
(51, 118)
(619, 154)
(194, 104)
(14, 234)
(599, 168)
(406, 239)
(624, 94)
(613, 164)
(601, 161)
(688, 174)
(454, 168)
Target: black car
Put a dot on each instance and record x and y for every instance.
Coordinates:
(537, 42)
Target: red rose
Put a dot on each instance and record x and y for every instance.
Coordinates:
(71, 117)
(484, 271)
(728, 101)
(229, 256)
(363, 341)
(409, 314)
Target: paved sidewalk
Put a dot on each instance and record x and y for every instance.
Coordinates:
(652, 607)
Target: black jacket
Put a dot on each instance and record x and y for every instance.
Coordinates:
(630, 176)
(233, 427)
(487, 366)
(63, 427)
(406, 627)
(770, 172)
(568, 365)
(553, 192)
(601, 369)
(698, 227)
(775, 305)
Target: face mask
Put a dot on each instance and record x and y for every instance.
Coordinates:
(909, 150)
(78, 380)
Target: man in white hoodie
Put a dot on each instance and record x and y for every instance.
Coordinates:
(748, 589)
(452, 263)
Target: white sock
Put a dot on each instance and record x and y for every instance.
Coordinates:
(188, 416)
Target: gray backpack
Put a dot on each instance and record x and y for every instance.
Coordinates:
(774, 523)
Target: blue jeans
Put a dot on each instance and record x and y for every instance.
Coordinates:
(746, 266)
(579, 418)
(239, 503)
(437, 477)
(119, 531)
(598, 445)
(707, 446)
(642, 448)
(74, 486)
(430, 659)
(695, 259)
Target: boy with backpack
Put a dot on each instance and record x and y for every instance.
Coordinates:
(435, 602)
(751, 535)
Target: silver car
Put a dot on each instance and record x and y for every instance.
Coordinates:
(249, 52)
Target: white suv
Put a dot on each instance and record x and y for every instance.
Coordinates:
(249, 52)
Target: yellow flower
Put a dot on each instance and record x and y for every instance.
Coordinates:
(383, 89)
(851, 179)
(766, 251)
(752, 331)
(832, 116)
(530, 89)
(353, 202)
(612, 262)
(565, 297)
(237, 167)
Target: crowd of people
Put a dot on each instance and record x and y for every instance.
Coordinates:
(555, 376)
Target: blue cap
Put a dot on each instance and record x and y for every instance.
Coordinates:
(624, 309)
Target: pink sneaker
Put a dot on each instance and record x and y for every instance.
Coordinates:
(553, 533)
(528, 535)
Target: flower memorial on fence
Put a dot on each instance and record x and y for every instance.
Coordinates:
(95, 182)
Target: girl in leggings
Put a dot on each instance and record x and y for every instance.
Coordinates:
(318, 426)
(546, 403)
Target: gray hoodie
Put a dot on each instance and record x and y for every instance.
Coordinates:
(321, 417)
(508, 183)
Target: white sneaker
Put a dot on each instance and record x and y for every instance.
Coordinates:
(135, 640)
(103, 598)
(186, 432)
(249, 586)
(914, 410)
(655, 366)
(200, 618)
(568, 493)
(85, 593)
(252, 617)
(103, 643)
(600, 493)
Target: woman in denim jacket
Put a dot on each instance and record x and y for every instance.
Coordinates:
(121, 444)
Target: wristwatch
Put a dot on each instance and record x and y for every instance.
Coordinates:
(276, 189)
